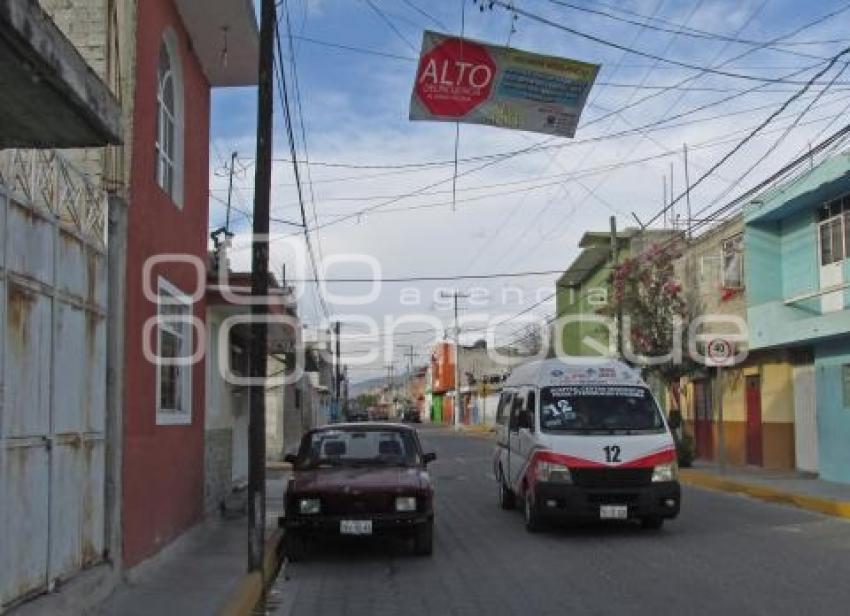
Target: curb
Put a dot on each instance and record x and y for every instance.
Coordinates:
(836, 508)
(250, 589)
(478, 430)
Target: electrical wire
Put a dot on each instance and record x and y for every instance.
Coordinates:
(282, 92)
(638, 52)
(682, 29)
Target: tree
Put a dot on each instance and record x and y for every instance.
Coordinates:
(365, 400)
(649, 298)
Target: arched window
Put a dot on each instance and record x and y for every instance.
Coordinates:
(169, 116)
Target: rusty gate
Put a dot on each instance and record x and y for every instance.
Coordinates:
(52, 372)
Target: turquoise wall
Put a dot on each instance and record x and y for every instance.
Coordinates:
(763, 265)
(833, 415)
(799, 253)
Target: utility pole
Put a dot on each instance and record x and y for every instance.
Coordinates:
(455, 295)
(672, 200)
(615, 261)
(664, 201)
(409, 355)
(337, 376)
(687, 190)
(259, 289)
(230, 191)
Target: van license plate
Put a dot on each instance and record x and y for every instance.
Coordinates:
(613, 512)
(355, 527)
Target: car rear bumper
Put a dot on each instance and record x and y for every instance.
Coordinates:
(558, 500)
(381, 523)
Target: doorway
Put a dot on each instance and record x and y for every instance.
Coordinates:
(754, 425)
(703, 424)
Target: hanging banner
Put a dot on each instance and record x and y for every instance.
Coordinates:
(466, 81)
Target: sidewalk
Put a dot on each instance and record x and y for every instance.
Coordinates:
(787, 487)
(204, 572)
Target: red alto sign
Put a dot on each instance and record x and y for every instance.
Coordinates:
(454, 77)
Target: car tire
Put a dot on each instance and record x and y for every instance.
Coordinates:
(423, 539)
(532, 518)
(652, 522)
(507, 499)
(295, 545)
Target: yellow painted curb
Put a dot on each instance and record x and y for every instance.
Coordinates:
(478, 430)
(840, 509)
(250, 589)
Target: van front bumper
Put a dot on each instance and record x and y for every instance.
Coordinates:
(560, 500)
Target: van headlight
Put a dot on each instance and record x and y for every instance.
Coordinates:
(666, 472)
(309, 506)
(405, 503)
(552, 471)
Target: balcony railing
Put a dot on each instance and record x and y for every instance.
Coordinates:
(44, 179)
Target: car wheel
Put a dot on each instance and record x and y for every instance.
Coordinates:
(532, 518)
(423, 540)
(295, 545)
(652, 522)
(507, 500)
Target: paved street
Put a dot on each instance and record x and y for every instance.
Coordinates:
(724, 554)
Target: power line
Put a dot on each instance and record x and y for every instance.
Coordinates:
(390, 24)
(439, 278)
(646, 54)
(425, 190)
(625, 11)
(682, 29)
(752, 133)
(426, 14)
(282, 91)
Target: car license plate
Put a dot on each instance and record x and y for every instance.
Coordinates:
(355, 527)
(613, 512)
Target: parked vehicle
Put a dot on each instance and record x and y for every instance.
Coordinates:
(411, 415)
(584, 440)
(359, 479)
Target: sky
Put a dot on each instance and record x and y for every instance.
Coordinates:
(526, 213)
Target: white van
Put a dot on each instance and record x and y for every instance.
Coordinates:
(584, 440)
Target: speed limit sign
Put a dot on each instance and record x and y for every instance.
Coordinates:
(719, 352)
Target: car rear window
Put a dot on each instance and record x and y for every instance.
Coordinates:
(356, 447)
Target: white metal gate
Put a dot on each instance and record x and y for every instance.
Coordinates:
(52, 372)
(805, 418)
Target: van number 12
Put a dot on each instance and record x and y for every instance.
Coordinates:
(612, 453)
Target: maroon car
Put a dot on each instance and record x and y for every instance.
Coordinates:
(359, 479)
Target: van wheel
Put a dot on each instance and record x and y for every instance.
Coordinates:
(532, 517)
(653, 522)
(507, 499)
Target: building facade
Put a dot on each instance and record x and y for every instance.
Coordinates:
(756, 395)
(59, 438)
(797, 238)
(585, 288)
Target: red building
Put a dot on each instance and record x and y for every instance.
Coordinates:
(183, 48)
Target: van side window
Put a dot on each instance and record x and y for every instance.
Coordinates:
(530, 404)
(504, 407)
(516, 408)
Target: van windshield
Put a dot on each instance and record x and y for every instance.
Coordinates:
(598, 408)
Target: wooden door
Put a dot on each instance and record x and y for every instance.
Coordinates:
(754, 426)
(703, 425)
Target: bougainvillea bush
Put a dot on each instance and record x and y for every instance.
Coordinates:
(649, 298)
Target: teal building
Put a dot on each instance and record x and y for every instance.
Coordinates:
(797, 245)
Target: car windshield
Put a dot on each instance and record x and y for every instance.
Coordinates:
(358, 447)
(599, 408)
